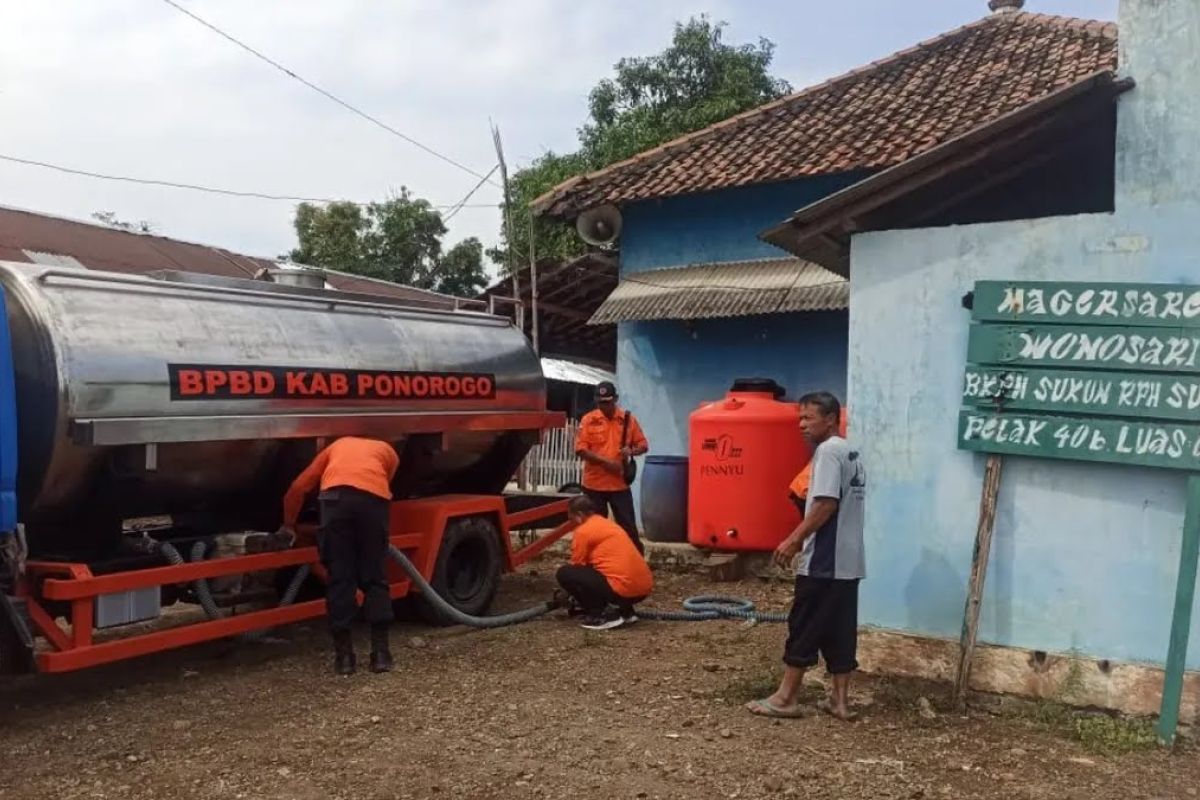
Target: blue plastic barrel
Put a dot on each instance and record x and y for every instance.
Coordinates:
(664, 498)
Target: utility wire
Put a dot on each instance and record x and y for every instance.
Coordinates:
(208, 189)
(354, 110)
(462, 203)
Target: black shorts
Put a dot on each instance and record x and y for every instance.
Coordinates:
(823, 620)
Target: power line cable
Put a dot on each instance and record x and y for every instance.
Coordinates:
(208, 189)
(461, 203)
(291, 74)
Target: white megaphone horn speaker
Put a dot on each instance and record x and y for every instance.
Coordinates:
(599, 226)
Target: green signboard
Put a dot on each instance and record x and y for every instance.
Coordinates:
(1149, 444)
(1086, 347)
(1102, 372)
(1125, 304)
(1118, 394)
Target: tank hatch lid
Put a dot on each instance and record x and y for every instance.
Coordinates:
(758, 386)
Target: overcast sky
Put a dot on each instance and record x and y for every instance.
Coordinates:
(133, 87)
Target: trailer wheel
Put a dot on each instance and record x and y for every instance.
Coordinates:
(11, 656)
(570, 488)
(16, 655)
(467, 571)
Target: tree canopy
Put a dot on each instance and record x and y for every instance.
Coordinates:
(698, 80)
(397, 240)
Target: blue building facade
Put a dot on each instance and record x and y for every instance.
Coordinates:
(1085, 556)
(666, 368)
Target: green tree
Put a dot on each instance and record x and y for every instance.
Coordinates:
(699, 79)
(461, 270)
(550, 238)
(397, 240)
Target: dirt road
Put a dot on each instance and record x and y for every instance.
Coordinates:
(541, 711)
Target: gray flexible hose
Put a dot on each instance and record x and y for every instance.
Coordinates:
(204, 593)
(452, 613)
(708, 607)
(700, 608)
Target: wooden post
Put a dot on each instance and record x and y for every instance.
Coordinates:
(533, 288)
(1181, 619)
(979, 564)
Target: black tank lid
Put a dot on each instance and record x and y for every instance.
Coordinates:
(759, 386)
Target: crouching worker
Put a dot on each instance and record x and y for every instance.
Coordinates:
(607, 575)
(354, 476)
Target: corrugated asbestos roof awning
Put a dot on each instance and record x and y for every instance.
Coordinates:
(727, 289)
(560, 369)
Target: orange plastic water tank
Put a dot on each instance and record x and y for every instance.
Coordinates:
(743, 452)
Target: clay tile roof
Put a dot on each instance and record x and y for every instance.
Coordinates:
(868, 119)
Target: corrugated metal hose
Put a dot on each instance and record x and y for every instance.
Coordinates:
(204, 593)
(700, 608)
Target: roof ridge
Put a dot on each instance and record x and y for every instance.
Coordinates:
(666, 147)
(1103, 26)
(652, 155)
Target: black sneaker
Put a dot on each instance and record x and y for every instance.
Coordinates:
(603, 623)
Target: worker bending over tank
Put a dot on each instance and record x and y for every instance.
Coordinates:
(827, 548)
(354, 476)
(609, 439)
(607, 575)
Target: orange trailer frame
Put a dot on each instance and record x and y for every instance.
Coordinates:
(417, 529)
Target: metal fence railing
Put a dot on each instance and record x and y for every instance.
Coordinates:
(553, 463)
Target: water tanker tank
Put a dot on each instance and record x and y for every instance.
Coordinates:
(744, 451)
(203, 397)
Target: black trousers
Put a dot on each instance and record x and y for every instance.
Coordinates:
(621, 504)
(824, 620)
(591, 590)
(353, 542)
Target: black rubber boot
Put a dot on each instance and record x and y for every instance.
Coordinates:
(344, 661)
(381, 656)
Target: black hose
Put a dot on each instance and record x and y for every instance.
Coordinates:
(204, 594)
(708, 607)
(700, 608)
(452, 613)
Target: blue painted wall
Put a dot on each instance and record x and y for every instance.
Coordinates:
(1085, 556)
(716, 226)
(665, 369)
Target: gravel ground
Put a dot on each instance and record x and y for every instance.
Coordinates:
(543, 710)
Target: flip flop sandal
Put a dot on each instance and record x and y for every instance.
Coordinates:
(826, 707)
(764, 708)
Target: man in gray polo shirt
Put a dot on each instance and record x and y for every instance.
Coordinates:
(827, 549)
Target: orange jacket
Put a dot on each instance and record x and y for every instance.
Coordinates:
(365, 464)
(604, 545)
(800, 483)
(600, 435)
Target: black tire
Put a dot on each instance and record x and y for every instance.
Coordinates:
(15, 657)
(467, 571)
(570, 488)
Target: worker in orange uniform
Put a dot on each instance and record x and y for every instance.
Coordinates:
(609, 439)
(607, 575)
(354, 476)
(798, 489)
